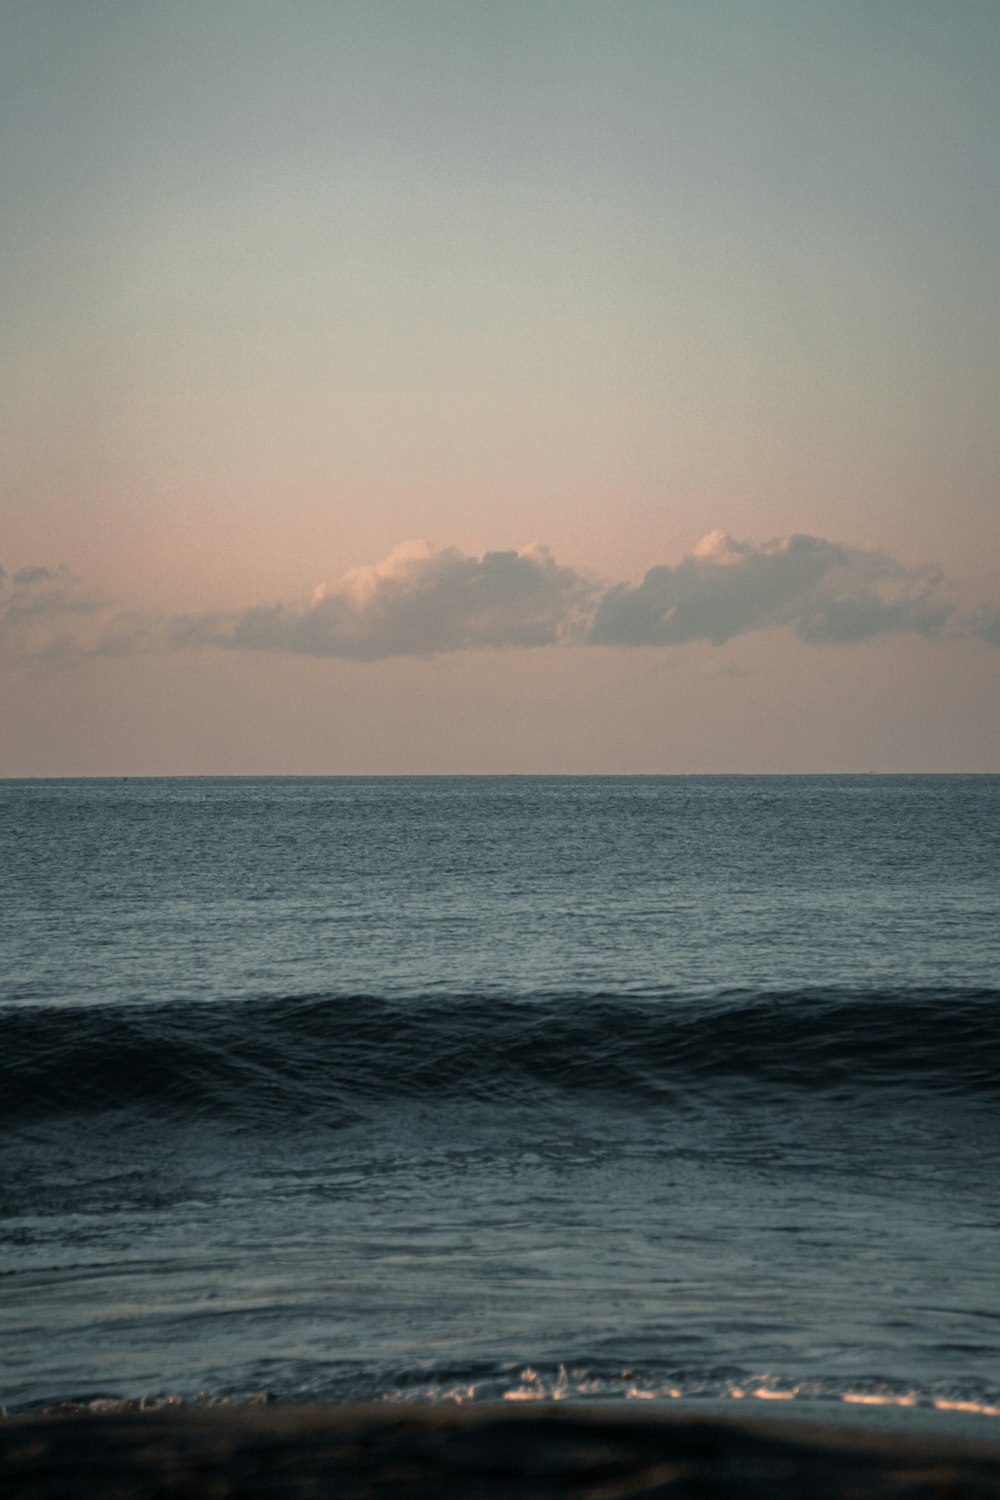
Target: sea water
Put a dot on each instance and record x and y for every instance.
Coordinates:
(460, 1088)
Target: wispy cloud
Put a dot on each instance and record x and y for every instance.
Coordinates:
(419, 602)
(985, 623)
(48, 614)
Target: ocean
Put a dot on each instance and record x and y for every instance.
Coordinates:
(675, 1089)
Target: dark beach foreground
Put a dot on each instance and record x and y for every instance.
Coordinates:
(487, 1450)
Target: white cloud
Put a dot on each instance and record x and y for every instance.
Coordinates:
(418, 602)
(415, 602)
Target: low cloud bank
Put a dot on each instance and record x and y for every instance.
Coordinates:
(415, 603)
(829, 594)
(419, 602)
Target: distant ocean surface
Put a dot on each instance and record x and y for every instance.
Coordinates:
(460, 1088)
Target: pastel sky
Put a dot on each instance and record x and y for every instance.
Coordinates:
(499, 385)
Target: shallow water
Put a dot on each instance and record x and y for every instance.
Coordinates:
(652, 1088)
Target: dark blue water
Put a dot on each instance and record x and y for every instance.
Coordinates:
(663, 1088)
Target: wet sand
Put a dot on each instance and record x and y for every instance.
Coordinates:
(489, 1451)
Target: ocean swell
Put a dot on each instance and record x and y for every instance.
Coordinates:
(342, 1058)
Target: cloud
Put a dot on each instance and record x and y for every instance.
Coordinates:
(414, 603)
(418, 602)
(48, 614)
(828, 593)
(984, 622)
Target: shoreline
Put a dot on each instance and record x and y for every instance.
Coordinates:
(545, 1449)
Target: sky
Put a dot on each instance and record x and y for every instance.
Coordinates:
(432, 386)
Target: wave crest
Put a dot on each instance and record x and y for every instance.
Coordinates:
(340, 1058)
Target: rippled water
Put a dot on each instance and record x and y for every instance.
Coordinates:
(644, 1087)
